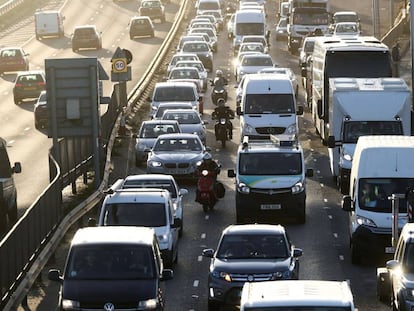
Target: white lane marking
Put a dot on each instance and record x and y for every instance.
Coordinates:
(203, 235)
(341, 257)
(207, 217)
(195, 283)
(330, 217)
(335, 235)
(200, 258)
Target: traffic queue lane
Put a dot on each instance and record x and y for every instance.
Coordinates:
(30, 146)
(324, 237)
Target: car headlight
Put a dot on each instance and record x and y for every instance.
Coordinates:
(162, 237)
(365, 221)
(280, 275)
(155, 164)
(248, 129)
(291, 129)
(243, 188)
(70, 304)
(298, 187)
(409, 293)
(221, 275)
(347, 156)
(149, 304)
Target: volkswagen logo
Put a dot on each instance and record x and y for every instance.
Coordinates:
(109, 306)
(270, 130)
(250, 278)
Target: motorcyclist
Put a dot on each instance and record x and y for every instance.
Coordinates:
(210, 165)
(219, 79)
(223, 112)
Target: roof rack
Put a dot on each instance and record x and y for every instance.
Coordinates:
(277, 141)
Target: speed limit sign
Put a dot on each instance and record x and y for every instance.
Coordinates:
(119, 65)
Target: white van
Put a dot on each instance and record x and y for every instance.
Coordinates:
(268, 106)
(382, 166)
(49, 24)
(307, 295)
(248, 22)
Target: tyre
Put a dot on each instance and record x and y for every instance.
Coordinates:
(213, 306)
(355, 255)
(12, 213)
(152, 35)
(205, 208)
(16, 101)
(131, 36)
(168, 260)
(181, 230)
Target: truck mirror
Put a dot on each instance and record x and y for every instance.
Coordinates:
(17, 168)
(231, 174)
(299, 112)
(347, 203)
(239, 111)
(331, 142)
(309, 172)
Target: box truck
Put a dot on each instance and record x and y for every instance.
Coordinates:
(382, 166)
(376, 106)
(49, 23)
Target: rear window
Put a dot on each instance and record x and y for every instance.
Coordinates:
(155, 130)
(175, 94)
(30, 78)
(135, 214)
(11, 53)
(151, 183)
(85, 32)
(204, 5)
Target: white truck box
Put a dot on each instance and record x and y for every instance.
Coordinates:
(49, 23)
(374, 106)
(382, 166)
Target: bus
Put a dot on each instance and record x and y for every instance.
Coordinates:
(335, 57)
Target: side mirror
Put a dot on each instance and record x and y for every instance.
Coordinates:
(17, 168)
(299, 112)
(309, 172)
(231, 173)
(54, 275)
(209, 253)
(167, 274)
(347, 203)
(182, 192)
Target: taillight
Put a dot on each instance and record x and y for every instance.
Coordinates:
(19, 85)
(41, 83)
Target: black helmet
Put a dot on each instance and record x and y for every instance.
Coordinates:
(221, 102)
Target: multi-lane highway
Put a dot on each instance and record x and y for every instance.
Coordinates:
(324, 237)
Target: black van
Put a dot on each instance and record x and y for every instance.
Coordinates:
(112, 268)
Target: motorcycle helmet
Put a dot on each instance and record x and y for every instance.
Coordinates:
(219, 73)
(221, 102)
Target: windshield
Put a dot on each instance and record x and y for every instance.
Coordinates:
(354, 129)
(165, 94)
(373, 193)
(155, 130)
(151, 183)
(110, 262)
(269, 104)
(270, 163)
(365, 64)
(209, 5)
(345, 18)
(177, 145)
(243, 29)
(409, 258)
(311, 19)
(135, 214)
(257, 61)
(253, 246)
(183, 118)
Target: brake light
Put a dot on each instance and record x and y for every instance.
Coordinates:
(19, 85)
(41, 83)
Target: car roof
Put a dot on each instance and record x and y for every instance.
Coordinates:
(173, 83)
(85, 26)
(254, 229)
(175, 104)
(179, 136)
(30, 72)
(140, 17)
(113, 234)
(158, 121)
(149, 177)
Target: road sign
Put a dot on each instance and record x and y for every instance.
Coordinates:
(119, 65)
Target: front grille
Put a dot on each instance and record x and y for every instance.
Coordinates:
(177, 165)
(270, 130)
(170, 165)
(267, 192)
(183, 165)
(255, 277)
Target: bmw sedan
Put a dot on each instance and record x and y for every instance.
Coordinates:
(177, 155)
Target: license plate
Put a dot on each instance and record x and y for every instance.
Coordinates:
(270, 206)
(29, 88)
(389, 250)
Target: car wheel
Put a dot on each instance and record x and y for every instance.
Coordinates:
(168, 261)
(355, 255)
(301, 219)
(213, 306)
(181, 230)
(16, 101)
(162, 19)
(152, 34)
(131, 36)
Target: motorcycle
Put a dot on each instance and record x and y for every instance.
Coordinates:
(209, 190)
(221, 131)
(219, 91)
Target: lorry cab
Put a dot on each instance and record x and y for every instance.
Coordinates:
(382, 166)
(268, 106)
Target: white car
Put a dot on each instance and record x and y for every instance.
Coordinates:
(189, 121)
(281, 29)
(285, 71)
(201, 70)
(230, 26)
(162, 181)
(252, 63)
(252, 47)
(178, 57)
(348, 29)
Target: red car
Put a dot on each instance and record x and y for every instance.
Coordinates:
(13, 59)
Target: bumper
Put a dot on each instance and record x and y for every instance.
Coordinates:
(370, 243)
(22, 94)
(265, 207)
(228, 293)
(176, 172)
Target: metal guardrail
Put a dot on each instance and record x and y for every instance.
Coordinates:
(9, 6)
(21, 264)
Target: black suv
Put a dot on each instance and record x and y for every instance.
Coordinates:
(28, 85)
(249, 253)
(154, 9)
(112, 268)
(86, 37)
